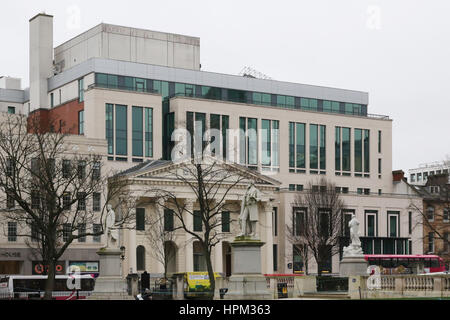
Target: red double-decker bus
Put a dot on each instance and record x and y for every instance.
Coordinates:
(406, 264)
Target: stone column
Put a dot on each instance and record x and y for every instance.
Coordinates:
(267, 216)
(159, 211)
(132, 268)
(189, 250)
(218, 255)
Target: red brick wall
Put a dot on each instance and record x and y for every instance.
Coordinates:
(63, 118)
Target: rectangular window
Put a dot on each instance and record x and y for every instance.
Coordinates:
(10, 203)
(138, 131)
(379, 141)
(11, 110)
(393, 225)
(300, 145)
(346, 220)
(322, 150)
(346, 149)
(96, 171)
(275, 222)
(66, 169)
(275, 257)
(409, 222)
(67, 201)
(81, 169)
(313, 146)
(358, 150)
(82, 232)
(266, 142)
(198, 225)
(140, 219)
(252, 142)
(446, 215)
(110, 127)
(248, 140)
(431, 242)
(225, 128)
(81, 90)
(379, 166)
(52, 100)
(12, 231)
(371, 224)
(337, 149)
(121, 130)
(226, 221)
(220, 125)
(325, 223)
(168, 220)
(81, 122)
(35, 200)
(67, 232)
(299, 222)
(81, 196)
(149, 132)
(270, 143)
(97, 229)
(96, 202)
(367, 151)
(35, 234)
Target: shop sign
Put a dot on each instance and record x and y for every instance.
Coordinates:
(10, 254)
(40, 269)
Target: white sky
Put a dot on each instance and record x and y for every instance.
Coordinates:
(398, 51)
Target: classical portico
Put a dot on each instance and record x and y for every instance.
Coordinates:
(149, 177)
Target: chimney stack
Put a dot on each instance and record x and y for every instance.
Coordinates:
(398, 175)
(41, 60)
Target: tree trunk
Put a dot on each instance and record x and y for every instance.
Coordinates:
(212, 279)
(50, 283)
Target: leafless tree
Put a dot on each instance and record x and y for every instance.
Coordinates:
(299, 248)
(210, 181)
(318, 224)
(159, 233)
(53, 193)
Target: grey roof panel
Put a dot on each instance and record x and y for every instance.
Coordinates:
(206, 78)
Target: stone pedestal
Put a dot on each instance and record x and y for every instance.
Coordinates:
(247, 282)
(353, 266)
(110, 285)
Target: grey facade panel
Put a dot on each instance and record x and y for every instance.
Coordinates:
(9, 95)
(206, 78)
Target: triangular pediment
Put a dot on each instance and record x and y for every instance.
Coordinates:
(164, 170)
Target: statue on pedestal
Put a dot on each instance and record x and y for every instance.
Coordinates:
(111, 231)
(354, 249)
(249, 212)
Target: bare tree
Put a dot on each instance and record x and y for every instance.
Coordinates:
(47, 187)
(210, 181)
(295, 238)
(318, 224)
(159, 232)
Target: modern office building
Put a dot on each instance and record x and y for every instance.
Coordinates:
(133, 88)
(419, 176)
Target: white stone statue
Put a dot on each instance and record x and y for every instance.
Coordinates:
(112, 232)
(354, 249)
(249, 212)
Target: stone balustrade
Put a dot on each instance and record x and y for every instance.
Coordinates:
(401, 286)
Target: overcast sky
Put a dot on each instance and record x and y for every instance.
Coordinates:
(398, 51)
